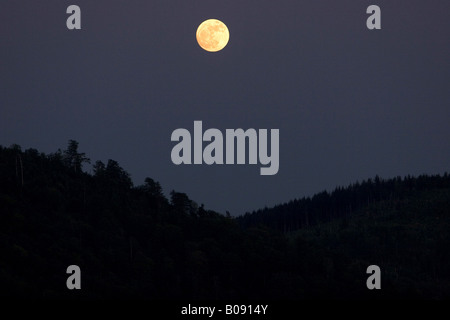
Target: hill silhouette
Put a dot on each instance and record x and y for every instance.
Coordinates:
(132, 242)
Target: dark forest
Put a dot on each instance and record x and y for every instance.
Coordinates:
(133, 242)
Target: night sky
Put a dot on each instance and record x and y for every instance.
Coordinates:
(350, 103)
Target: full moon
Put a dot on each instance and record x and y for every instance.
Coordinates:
(212, 35)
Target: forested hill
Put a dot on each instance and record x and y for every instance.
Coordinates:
(132, 242)
(342, 203)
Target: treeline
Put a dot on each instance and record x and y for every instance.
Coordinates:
(342, 202)
(133, 242)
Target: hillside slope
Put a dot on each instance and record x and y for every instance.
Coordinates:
(132, 242)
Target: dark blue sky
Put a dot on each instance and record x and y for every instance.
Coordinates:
(349, 103)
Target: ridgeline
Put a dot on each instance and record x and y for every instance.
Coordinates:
(132, 242)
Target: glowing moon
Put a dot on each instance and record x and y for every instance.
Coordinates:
(212, 35)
